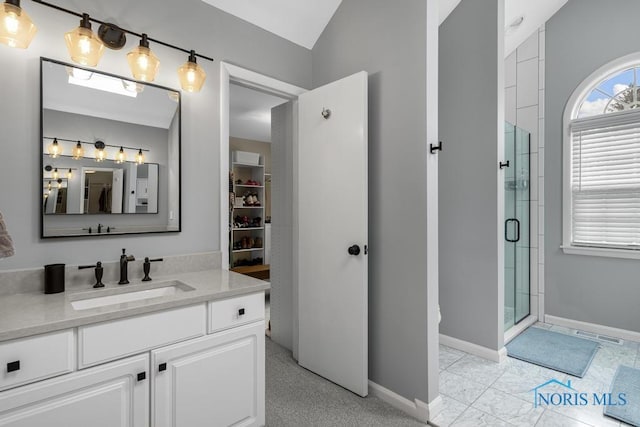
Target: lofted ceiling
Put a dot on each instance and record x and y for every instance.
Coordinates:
(302, 22)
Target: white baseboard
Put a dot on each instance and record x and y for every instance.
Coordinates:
(417, 409)
(475, 349)
(594, 328)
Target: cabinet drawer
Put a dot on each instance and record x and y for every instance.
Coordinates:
(236, 311)
(35, 358)
(112, 340)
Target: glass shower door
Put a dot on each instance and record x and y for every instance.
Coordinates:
(517, 293)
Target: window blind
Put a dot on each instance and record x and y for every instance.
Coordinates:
(605, 181)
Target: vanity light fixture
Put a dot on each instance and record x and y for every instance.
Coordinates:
(143, 62)
(56, 175)
(121, 156)
(191, 75)
(54, 149)
(100, 153)
(78, 152)
(86, 48)
(49, 186)
(69, 174)
(83, 45)
(59, 181)
(140, 157)
(16, 27)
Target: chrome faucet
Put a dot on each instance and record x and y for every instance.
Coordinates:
(124, 261)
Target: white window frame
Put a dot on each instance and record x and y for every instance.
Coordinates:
(570, 113)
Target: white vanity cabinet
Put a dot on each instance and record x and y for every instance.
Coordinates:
(217, 380)
(196, 366)
(111, 395)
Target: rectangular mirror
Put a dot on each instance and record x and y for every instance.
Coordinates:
(110, 159)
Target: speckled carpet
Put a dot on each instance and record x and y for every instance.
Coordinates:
(296, 397)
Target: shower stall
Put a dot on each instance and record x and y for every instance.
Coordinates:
(517, 292)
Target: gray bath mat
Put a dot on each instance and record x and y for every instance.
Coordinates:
(553, 350)
(627, 381)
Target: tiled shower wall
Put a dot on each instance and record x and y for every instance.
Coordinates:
(524, 107)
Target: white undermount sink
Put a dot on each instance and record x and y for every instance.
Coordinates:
(162, 289)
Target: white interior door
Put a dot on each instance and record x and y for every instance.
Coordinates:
(116, 191)
(332, 232)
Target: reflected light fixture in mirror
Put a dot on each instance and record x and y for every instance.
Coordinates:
(121, 156)
(78, 152)
(54, 149)
(84, 46)
(100, 153)
(16, 27)
(191, 75)
(143, 62)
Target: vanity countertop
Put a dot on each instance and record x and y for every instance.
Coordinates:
(27, 314)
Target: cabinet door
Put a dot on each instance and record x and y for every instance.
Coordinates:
(217, 380)
(110, 395)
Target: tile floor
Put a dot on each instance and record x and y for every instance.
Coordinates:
(477, 392)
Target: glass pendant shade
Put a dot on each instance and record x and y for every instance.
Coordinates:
(100, 153)
(54, 149)
(143, 62)
(191, 75)
(78, 152)
(69, 174)
(16, 27)
(56, 175)
(140, 157)
(121, 156)
(83, 45)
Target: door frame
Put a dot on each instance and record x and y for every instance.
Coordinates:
(230, 73)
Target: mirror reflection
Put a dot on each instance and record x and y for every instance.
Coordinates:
(110, 153)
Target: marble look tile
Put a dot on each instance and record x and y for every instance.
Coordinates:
(590, 415)
(448, 356)
(460, 388)
(508, 408)
(451, 410)
(554, 419)
(520, 382)
(473, 417)
(477, 369)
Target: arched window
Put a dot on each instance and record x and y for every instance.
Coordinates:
(602, 162)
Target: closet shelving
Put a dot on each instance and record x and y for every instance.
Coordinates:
(246, 243)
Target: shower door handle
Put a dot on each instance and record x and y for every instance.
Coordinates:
(506, 230)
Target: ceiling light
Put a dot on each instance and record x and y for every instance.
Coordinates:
(121, 156)
(78, 151)
(16, 27)
(84, 46)
(104, 83)
(79, 73)
(143, 62)
(191, 75)
(54, 149)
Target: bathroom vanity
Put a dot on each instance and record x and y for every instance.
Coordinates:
(180, 351)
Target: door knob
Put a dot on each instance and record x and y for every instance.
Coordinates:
(354, 250)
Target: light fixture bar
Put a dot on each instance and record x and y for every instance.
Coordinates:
(133, 33)
(92, 143)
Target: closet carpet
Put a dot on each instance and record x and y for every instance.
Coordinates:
(296, 397)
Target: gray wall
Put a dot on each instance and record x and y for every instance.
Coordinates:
(191, 24)
(389, 42)
(471, 125)
(583, 36)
